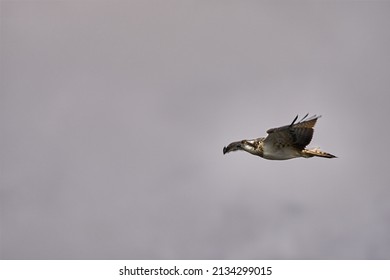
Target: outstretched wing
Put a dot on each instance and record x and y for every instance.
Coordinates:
(296, 135)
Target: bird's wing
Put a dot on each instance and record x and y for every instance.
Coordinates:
(297, 135)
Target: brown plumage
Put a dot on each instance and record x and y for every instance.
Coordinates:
(285, 142)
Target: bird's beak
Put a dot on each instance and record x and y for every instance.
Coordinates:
(232, 147)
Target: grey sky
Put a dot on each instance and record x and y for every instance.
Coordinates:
(113, 116)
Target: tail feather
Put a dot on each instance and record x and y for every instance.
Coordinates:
(316, 153)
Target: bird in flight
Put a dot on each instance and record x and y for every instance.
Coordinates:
(285, 142)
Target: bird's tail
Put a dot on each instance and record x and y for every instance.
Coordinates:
(316, 153)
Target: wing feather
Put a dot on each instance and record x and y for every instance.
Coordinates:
(297, 135)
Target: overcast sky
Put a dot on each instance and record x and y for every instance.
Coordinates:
(113, 116)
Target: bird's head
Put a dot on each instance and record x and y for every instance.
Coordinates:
(245, 145)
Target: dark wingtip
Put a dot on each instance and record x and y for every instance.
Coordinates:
(294, 121)
(224, 150)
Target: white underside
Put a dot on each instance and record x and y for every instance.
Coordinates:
(280, 154)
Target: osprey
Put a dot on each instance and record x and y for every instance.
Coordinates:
(285, 142)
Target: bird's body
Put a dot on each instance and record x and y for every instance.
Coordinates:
(285, 142)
